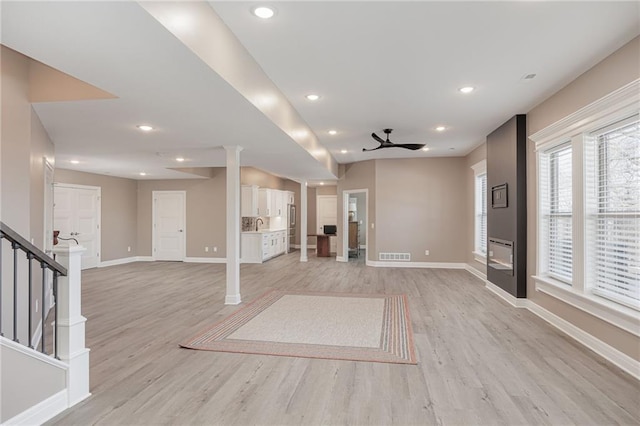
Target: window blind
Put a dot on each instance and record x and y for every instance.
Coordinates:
(556, 206)
(615, 203)
(481, 213)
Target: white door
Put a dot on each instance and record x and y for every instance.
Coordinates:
(169, 225)
(327, 214)
(76, 214)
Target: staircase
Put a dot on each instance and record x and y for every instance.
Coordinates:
(44, 370)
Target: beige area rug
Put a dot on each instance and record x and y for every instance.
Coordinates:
(358, 327)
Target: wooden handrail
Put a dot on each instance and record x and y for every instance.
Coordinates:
(27, 247)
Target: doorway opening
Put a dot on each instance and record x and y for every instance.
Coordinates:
(355, 217)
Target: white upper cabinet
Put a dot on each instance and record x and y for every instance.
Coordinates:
(278, 202)
(249, 201)
(265, 203)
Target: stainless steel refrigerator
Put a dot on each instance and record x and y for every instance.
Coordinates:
(291, 227)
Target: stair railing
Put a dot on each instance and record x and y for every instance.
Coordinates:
(32, 253)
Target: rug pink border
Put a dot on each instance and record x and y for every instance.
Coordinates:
(396, 340)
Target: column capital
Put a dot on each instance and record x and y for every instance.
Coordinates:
(236, 148)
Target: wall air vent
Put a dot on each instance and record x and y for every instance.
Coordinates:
(395, 257)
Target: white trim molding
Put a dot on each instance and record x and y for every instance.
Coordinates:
(114, 262)
(205, 260)
(615, 314)
(510, 299)
(43, 411)
(431, 265)
(478, 273)
(341, 259)
(619, 102)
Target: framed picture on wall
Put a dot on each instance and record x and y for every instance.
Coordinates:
(499, 196)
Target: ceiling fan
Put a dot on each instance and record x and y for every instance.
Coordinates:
(389, 144)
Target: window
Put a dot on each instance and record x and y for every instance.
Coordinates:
(613, 209)
(588, 208)
(480, 211)
(556, 212)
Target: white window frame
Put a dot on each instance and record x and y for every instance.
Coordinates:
(577, 128)
(479, 169)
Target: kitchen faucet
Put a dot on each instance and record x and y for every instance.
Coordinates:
(261, 221)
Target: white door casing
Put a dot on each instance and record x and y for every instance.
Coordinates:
(76, 214)
(169, 225)
(345, 220)
(327, 214)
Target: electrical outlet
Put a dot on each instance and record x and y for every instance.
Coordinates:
(129, 248)
(36, 306)
(215, 249)
(426, 252)
(206, 249)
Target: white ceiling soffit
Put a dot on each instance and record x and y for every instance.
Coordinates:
(121, 48)
(400, 64)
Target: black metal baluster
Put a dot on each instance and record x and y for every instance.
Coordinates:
(1, 236)
(15, 247)
(44, 283)
(30, 257)
(55, 313)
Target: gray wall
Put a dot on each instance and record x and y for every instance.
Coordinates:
(23, 145)
(119, 207)
(206, 214)
(617, 70)
(420, 205)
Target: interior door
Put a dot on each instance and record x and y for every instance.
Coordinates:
(327, 214)
(169, 225)
(76, 214)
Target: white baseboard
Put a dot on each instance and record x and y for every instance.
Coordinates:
(610, 353)
(438, 265)
(510, 299)
(606, 351)
(309, 246)
(341, 259)
(42, 412)
(144, 259)
(115, 262)
(478, 273)
(233, 299)
(205, 259)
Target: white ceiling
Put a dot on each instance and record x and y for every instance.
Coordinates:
(375, 64)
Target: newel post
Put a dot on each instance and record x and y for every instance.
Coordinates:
(71, 346)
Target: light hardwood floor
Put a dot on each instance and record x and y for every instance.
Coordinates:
(480, 361)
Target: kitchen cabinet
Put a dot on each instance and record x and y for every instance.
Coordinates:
(249, 201)
(258, 247)
(265, 207)
(277, 203)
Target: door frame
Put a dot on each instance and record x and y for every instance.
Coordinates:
(345, 222)
(153, 222)
(98, 211)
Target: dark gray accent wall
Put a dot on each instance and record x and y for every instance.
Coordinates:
(506, 163)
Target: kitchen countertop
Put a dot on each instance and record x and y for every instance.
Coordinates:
(263, 231)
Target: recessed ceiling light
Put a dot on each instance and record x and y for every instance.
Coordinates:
(321, 183)
(312, 97)
(441, 128)
(179, 159)
(466, 89)
(426, 148)
(145, 128)
(264, 12)
(333, 132)
(344, 151)
(143, 174)
(74, 162)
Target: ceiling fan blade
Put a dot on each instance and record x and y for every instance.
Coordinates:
(411, 146)
(378, 138)
(373, 149)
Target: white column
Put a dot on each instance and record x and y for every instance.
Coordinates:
(233, 225)
(303, 221)
(70, 327)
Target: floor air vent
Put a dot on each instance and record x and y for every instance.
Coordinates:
(396, 257)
